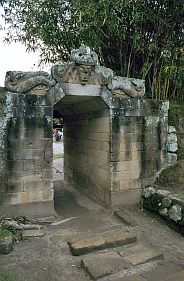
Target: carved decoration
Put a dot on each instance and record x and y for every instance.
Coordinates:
(38, 82)
(127, 87)
(82, 68)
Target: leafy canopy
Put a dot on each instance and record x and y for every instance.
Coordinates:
(137, 38)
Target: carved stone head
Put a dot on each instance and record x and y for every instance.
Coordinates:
(84, 55)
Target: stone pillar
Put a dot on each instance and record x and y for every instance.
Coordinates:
(26, 177)
(138, 148)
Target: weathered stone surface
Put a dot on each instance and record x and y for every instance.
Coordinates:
(127, 87)
(126, 218)
(130, 278)
(172, 145)
(148, 191)
(163, 212)
(6, 246)
(103, 264)
(139, 253)
(171, 158)
(160, 273)
(175, 213)
(179, 276)
(104, 240)
(166, 202)
(82, 69)
(31, 233)
(22, 82)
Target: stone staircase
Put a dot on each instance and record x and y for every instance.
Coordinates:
(117, 255)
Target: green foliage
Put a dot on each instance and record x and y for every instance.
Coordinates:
(5, 275)
(57, 121)
(179, 196)
(4, 233)
(58, 155)
(141, 38)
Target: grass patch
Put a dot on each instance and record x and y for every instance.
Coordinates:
(6, 275)
(58, 155)
(179, 196)
(4, 233)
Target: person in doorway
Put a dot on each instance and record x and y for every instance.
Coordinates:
(60, 133)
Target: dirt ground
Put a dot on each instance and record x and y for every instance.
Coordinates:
(48, 258)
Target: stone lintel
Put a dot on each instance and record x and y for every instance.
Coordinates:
(81, 90)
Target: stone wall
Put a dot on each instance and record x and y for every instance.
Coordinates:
(169, 206)
(86, 154)
(138, 147)
(26, 163)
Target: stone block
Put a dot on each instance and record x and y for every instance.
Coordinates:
(37, 164)
(48, 153)
(29, 154)
(130, 185)
(31, 210)
(13, 166)
(6, 246)
(125, 198)
(98, 128)
(34, 143)
(81, 90)
(17, 144)
(108, 239)
(171, 158)
(12, 198)
(31, 233)
(99, 136)
(139, 253)
(126, 175)
(39, 184)
(14, 186)
(47, 174)
(128, 165)
(130, 145)
(103, 264)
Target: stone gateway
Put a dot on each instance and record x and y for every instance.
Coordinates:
(115, 141)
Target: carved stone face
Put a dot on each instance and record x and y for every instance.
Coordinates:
(84, 72)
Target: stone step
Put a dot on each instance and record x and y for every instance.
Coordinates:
(99, 265)
(139, 253)
(107, 239)
(125, 217)
(103, 264)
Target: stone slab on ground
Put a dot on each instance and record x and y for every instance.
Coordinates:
(125, 217)
(139, 253)
(31, 233)
(176, 277)
(107, 239)
(6, 246)
(103, 264)
(160, 273)
(130, 278)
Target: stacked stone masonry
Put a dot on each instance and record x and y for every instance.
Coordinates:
(115, 142)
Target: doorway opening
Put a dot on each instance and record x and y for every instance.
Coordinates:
(84, 164)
